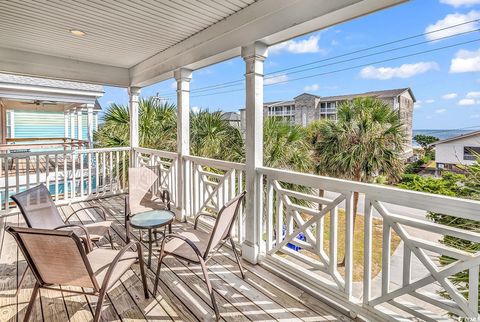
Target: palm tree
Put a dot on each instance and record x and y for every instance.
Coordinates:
(367, 140)
(285, 146)
(157, 125)
(213, 137)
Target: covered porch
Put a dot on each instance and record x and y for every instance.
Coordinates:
(288, 234)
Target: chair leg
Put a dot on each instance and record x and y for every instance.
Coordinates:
(142, 271)
(157, 275)
(110, 238)
(21, 280)
(209, 287)
(237, 257)
(98, 309)
(32, 302)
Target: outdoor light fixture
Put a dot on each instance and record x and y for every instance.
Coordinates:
(77, 33)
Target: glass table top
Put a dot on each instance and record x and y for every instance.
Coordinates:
(151, 219)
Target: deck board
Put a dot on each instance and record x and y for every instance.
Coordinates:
(182, 294)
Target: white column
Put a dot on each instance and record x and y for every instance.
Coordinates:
(183, 77)
(79, 123)
(254, 56)
(133, 93)
(90, 125)
(66, 119)
(72, 124)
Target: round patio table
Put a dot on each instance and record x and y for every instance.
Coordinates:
(152, 220)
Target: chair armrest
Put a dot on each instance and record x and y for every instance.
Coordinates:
(88, 246)
(185, 240)
(202, 214)
(117, 258)
(89, 207)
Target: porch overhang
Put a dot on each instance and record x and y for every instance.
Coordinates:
(268, 21)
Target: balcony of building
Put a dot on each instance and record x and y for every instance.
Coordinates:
(304, 257)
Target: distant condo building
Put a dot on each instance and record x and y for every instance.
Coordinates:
(306, 108)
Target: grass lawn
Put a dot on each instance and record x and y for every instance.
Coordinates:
(358, 244)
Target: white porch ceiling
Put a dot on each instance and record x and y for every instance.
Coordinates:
(139, 42)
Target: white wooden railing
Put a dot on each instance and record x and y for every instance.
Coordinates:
(212, 183)
(407, 283)
(70, 175)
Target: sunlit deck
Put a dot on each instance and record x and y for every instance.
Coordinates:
(183, 296)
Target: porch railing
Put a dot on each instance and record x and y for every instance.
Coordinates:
(395, 270)
(390, 265)
(69, 175)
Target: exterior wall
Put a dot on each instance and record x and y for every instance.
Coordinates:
(452, 152)
(305, 109)
(405, 109)
(31, 124)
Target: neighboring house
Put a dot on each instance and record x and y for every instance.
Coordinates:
(33, 107)
(233, 118)
(306, 108)
(455, 152)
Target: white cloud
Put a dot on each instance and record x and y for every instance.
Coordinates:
(449, 96)
(309, 45)
(276, 79)
(465, 61)
(475, 116)
(195, 109)
(311, 88)
(453, 19)
(466, 102)
(459, 3)
(430, 101)
(173, 85)
(403, 71)
(441, 110)
(473, 94)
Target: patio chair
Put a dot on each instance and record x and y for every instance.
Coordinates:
(58, 258)
(197, 247)
(144, 194)
(39, 211)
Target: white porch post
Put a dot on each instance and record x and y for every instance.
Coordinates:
(90, 125)
(133, 93)
(79, 123)
(254, 56)
(183, 77)
(71, 117)
(66, 119)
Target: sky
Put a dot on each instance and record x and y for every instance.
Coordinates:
(446, 82)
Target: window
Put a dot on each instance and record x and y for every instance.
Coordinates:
(470, 153)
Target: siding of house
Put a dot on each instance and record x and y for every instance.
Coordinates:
(31, 124)
(452, 152)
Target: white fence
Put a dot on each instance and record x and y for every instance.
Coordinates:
(407, 283)
(69, 175)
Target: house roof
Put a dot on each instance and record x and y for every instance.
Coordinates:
(458, 137)
(378, 94)
(231, 116)
(45, 82)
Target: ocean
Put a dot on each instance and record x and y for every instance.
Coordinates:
(441, 134)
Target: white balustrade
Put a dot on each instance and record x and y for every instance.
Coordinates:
(71, 175)
(407, 282)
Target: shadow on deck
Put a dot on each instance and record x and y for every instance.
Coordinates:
(182, 294)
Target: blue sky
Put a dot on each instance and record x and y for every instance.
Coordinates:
(446, 83)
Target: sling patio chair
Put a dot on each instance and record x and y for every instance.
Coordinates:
(39, 211)
(197, 247)
(58, 258)
(145, 193)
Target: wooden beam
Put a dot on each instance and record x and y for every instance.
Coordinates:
(32, 64)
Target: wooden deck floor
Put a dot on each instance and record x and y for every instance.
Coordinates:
(262, 296)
